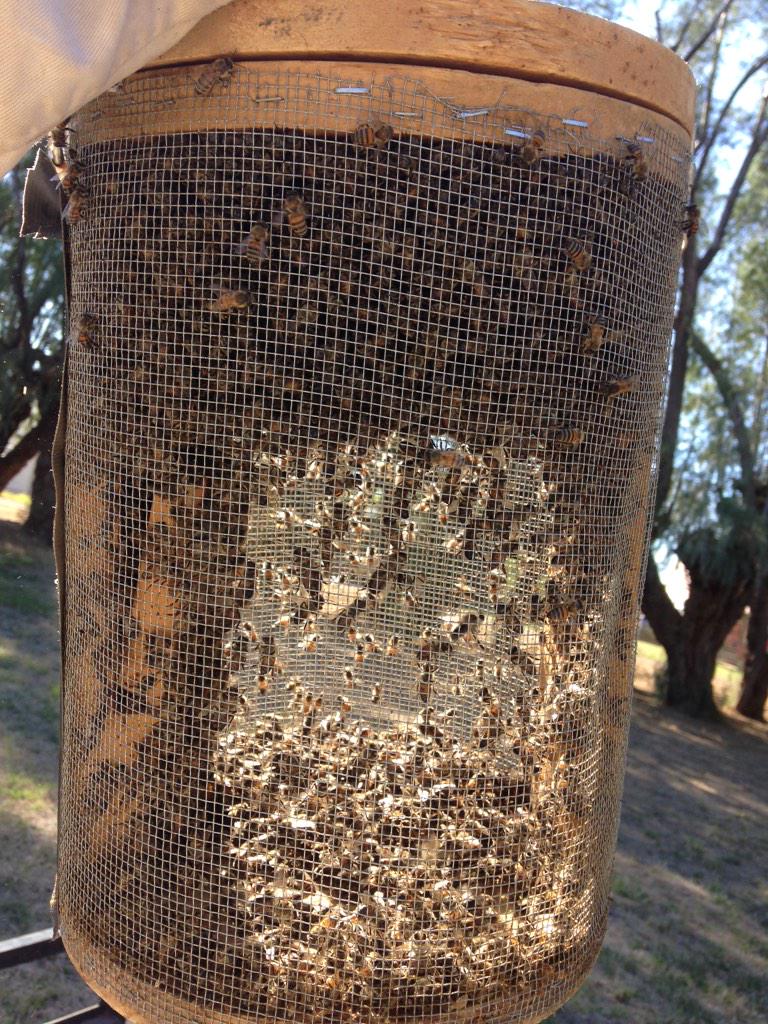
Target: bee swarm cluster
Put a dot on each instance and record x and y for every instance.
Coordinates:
(363, 412)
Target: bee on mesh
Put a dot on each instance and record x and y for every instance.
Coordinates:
(532, 149)
(230, 300)
(444, 453)
(614, 386)
(578, 253)
(218, 72)
(237, 647)
(255, 247)
(77, 206)
(635, 162)
(85, 330)
(393, 645)
(68, 174)
(568, 435)
(57, 144)
(563, 609)
(373, 135)
(295, 212)
(464, 626)
(692, 220)
(595, 334)
(269, 663)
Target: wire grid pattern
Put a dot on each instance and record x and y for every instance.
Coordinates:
(362, 430)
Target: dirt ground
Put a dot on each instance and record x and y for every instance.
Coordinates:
(688, 935)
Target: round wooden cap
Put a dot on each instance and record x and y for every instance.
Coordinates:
(519, 39)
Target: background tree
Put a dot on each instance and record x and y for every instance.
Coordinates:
(31, 334)
(699, 512)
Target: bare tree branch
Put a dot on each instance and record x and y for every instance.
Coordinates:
(714, 135)
(732, 401)
(708, 32)
(659, 29)
(712, 78)
(683, 29)
(759, 136)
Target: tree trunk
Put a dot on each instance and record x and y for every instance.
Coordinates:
(754, 684)
(39, 522)
(27, 447)
(709, 615)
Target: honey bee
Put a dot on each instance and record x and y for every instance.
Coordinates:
(369, 644)
(578, 253)
(618, 386)
(352, 634)
(349, 677)
(692, 218)
(488, 725)
(442, 514)
(255, 245)
(564, 610)
(635, 161)
(393, 646)
(75, 209)
(531, 150)
(285, 517)
(228, 300)
(263, 684)
(295, 210)
(309, 643)
(569, 435)
(595, 335)
(359, 653)
(443, 453)
(236, 649)
(454, 545)
(268, 660)
(409, 599)
(84, 332)
(370, 136)
(376, 693)
(358, 528)
(219, 71)
(408, 533)
(68, 174)
(424, 688)
(370, 557)
(315, 470)
(268, 571)
(57, 143)
(464, 626)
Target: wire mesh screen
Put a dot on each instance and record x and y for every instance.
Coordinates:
(364, 392)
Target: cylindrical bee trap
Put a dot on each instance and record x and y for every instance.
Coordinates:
(370, 312)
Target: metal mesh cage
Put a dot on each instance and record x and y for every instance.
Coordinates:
(364, 393)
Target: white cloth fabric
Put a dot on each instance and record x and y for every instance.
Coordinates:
(55, 55)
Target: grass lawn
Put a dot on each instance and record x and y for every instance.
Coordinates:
(688, 938)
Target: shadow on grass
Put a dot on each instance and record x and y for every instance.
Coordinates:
(687, 937)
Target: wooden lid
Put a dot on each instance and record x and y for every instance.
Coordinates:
(535, 42)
